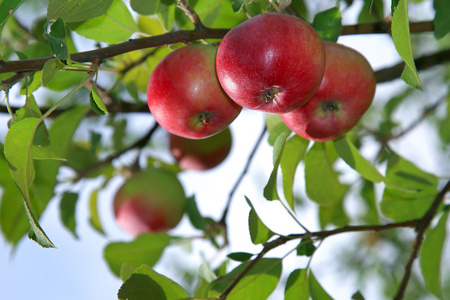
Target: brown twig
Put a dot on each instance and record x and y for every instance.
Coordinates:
(140, 143)
(421, 227)
(190, 13)
(281, 240)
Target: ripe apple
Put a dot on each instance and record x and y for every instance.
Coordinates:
(200, 154)
(346, 92)
(184, 94)
(271, 62)
(150, 200)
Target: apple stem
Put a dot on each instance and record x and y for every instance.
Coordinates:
(204, 117)
(270, 94)
(330, 106)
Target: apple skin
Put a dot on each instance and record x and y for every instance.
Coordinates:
(184, 94)
(345, 94)
(201, 154)
(272, 62)
(152, 200)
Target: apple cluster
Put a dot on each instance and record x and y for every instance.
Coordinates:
(273, 63)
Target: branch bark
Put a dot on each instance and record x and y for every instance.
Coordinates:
(182, 36)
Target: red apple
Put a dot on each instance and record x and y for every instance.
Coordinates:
(184, 94)
(346, 92)
(151, 200)
(201, 154)
(271, 62)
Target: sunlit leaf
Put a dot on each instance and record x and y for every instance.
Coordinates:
(13, 220)
(270, 190)
(350, 154)
(258, 283)
(410, 191)
(294, 151)
(322, 182)
(94, 217)
(316, 290)
(7, 8)
(402, 42)
(147, 284)
(145, 249)
(328, 24)
(431, 256)
(259, 233)
(76, 10)
(297, 287)
(145, 7)
(115, 26)
(18, 152)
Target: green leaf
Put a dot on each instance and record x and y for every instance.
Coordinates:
(57, 40)
(194, 215)
(350, 154)
(431, 256)
(306, 247)
(297, 287)
(371, 12)
(442, 19)
(94, 217)
(328, 24)
(402, 42)
(322, 183)
(145, 249)
(276, 127)
(357, 296)
(270, 190)
(18, 153)
(409, 191)
(76, 10)
(147, 284)
(97, 104)
(7, 8)
(240, 256)
(259, 233)
(115, 26)
(258, 283)
(40, 152)
(31, 110)
(294, 151)
(67, 208)
(145, 7)
(13, 220)
(316, 290)
(206, 273)
(49, 70)
(237, 5)
(333, 214)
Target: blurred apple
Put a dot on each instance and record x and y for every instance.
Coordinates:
(200, 154)
(151, 200)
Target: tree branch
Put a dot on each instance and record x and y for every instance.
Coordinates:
(181, 36)
(421, 227)
(138, 144)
